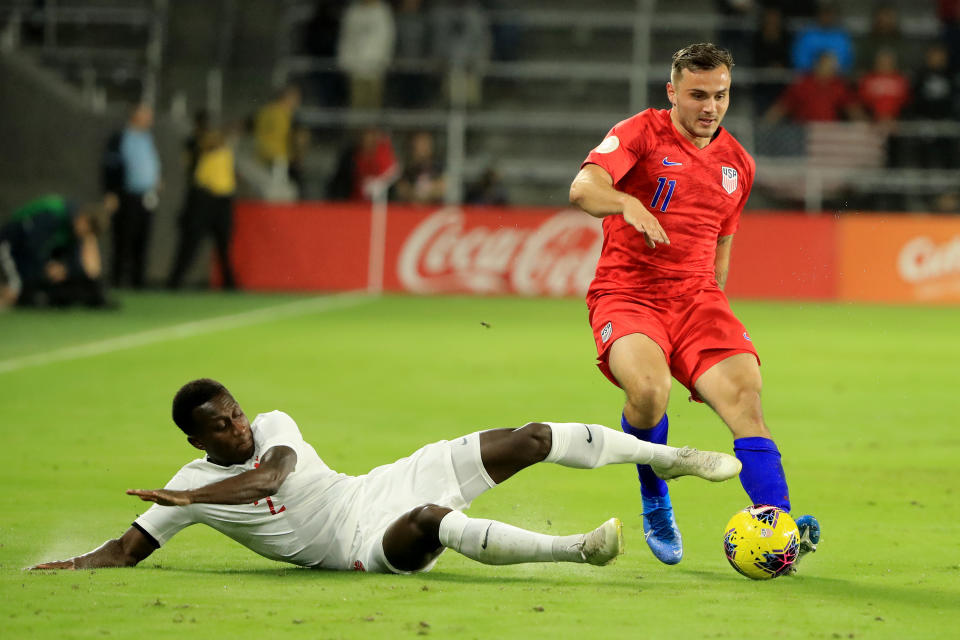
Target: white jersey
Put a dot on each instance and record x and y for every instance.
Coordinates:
(311, 521)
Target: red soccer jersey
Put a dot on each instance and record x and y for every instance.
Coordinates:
(696, 194)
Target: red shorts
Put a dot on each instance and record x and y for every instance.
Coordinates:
(695, 331)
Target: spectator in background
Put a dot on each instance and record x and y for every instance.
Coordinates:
(319, 39)
(771, 42)
(210, 210)
(365, 50)
(948, 202)
(935, 97)
(422, 179)
(820, 96)
(737, 16)
(884, 91)
(366, 167)
(411, 84)
(826, 34)
(191, 154)
(771, 50)
(949, 13)
(507, 36)
(191, 146)
(374, 164)
(50, 254)
(131, 181)
(801, 9)
(488, 190)
(277, 140)
(884, 34)
(461, 38)
(411, 28)
(935, 89)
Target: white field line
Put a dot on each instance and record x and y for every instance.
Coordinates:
(186, 330)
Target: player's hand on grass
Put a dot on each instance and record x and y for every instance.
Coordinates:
(163, 497)
(56, 564)
(644, 222)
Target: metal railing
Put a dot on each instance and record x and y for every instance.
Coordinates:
(96, 61)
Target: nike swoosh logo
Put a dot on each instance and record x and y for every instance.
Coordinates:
(667, 163)
(589, 434)
(485, 536)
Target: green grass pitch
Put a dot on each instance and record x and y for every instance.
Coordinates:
(862, 400)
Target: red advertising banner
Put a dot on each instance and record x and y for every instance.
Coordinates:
(496, 250)
(301, 247)
(784, 256)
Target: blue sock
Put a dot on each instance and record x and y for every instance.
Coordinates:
(762, 476)
(650, 485)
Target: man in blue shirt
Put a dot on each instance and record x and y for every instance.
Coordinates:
(131, 174)
(827, 34)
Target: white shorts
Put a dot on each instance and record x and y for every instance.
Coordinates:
(446, 473)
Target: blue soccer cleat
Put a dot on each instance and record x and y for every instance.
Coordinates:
(660, 529)
(809, 530)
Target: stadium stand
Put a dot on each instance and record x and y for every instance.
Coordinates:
(559, 76)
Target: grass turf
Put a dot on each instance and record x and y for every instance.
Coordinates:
(861, 400)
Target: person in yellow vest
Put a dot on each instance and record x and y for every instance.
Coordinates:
(210, 210)
(279, 141)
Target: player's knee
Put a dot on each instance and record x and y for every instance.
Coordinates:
(747, 402)
(534, 441)
(426, 518)
(648, 397)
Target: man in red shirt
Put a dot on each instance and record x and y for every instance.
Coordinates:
(374, 164)
(670, 186)
(884, 91)
(820, 96)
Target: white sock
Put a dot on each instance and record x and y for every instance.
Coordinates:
(493, 542)
(588, 446)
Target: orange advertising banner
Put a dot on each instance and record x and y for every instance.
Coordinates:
(899, 258)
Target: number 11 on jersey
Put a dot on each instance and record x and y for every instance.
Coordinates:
(666, 199)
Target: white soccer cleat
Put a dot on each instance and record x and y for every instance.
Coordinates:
(602, 545)
(709, 465)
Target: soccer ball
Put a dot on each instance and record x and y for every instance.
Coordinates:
(761, 542)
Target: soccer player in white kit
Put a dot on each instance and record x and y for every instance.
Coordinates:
(262, 485)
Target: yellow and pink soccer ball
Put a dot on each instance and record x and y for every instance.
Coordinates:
(761, 542)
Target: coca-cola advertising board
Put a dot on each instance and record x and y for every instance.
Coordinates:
(471, 250)
(491, 251)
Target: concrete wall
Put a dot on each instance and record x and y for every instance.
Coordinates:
(53, 144)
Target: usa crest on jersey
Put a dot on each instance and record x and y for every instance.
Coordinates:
(729, 179)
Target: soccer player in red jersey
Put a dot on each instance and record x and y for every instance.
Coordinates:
(670, 186)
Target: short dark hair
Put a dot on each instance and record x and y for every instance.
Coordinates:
(189, 397)
(702, 56)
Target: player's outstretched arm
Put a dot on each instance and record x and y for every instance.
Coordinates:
(264, 481)
(592, 190)
(125, 551)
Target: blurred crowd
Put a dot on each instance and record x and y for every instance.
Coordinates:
(876, 78)
(406, 54)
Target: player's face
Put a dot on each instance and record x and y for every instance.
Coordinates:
(700, 100)
(223, 431)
